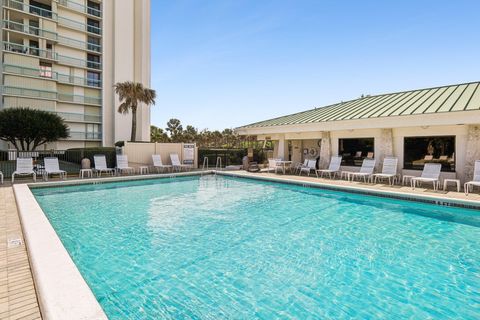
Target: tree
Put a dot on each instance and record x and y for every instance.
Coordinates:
(190, 134)
(158, 135)
(27, 128)
(174, 127)
(131, 94)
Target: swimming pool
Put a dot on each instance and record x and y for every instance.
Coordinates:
(215, 247)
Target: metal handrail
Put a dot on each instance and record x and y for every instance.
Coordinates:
(20, 27)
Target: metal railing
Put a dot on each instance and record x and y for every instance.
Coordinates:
(69, 160)
(34, 93)
(44, 74)
(53, 95)
(79, 44)
(20, 48)
(18, 5)
(79, 99)
(79, 135)
(80, 8)
(78, 25)
(20, 27)
(79, 62)
(80, 117)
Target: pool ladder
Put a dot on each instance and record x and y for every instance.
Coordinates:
(218, 164)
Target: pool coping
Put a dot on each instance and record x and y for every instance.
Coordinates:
(61, 289)
(403, 195)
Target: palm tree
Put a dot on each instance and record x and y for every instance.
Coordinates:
(131, 94)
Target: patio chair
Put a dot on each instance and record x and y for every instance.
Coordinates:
(389, 171)
(430, 173)
(273, 165)
(101, 165)
(177, 165)
(300, 165)
(311, 165)
(333, 167)
(157, 163)
(366, 170)
(122, 164)
(1, 177)
(468, 186)
(53, 167)
(24, 168)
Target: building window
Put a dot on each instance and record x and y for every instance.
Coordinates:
(33, 50)
(93, 26)
(93, 8)
(353, 151)
(45, 70)
(420, 150)
(93, 61)
(93, 43)
(93, 79)
(40, 9)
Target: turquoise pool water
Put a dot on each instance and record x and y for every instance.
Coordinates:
(224, 248)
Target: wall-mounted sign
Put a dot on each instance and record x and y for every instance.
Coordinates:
(188, 153)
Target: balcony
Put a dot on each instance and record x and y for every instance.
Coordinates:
(79, 99)
(19, 27)
(79, 62)
(80, 117)
(18, 5)
(79, 44)
(80, 8)
(53, 75)
(78, 135)
(32, 93)
(51, 95)
(78, 25)
(33, 51)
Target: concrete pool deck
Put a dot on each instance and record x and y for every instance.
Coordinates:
(18, 299)
(18, 294)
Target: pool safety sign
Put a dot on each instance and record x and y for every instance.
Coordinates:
(188, 153)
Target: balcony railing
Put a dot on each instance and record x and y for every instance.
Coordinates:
(79, 62)
(80, 8)
(78, 135)
(78, 25)
(52, 95)
(46, 74)
(79, 44)
(34, 93)
(79, 99)
(18, 5)
(20, 27)
(19, 48)
(81, 117)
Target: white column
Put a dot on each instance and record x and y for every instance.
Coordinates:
(281, 147)
(384, 147)
(472, 152)
(325, 150)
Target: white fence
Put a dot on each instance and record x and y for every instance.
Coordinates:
(141, 152)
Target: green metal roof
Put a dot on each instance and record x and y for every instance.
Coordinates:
(459, 97)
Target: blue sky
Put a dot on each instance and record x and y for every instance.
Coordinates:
(222, 64)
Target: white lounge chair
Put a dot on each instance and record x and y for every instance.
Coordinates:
(1, 177)
(389, 171)
(300, 165)
(53, 167)
(157, 163)
(24, 168)
(177, 165)
(333, 167)
(273, 165)
(366, 170)
(468, 186)
(122, 164)
(311, 165)
(101, 165)
(430, 173)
